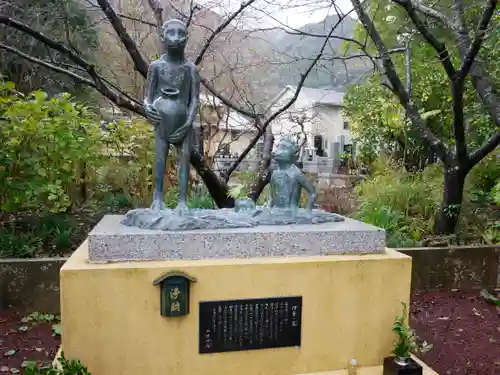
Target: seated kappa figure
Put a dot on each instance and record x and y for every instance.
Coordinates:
(287, 181)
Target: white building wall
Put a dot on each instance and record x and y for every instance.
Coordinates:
(284, 124)
(329, 123)
(323, 120)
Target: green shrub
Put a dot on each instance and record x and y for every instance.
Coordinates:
(403, 203)
(406, 203)
(129, 147)
(241, 183)
(198, 197)
(32, 236)
(64, 367)
(48, 145)
(484, 177)
(495, 193)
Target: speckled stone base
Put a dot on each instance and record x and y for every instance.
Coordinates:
(112, 241)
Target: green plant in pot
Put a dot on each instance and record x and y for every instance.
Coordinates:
(406, 344)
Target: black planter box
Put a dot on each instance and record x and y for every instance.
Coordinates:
(392, 368)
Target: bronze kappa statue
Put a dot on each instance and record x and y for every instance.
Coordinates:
(171, 103)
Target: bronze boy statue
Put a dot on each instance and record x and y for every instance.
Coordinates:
(171, 103)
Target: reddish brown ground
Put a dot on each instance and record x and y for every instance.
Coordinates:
(37, 343)
(464, 329)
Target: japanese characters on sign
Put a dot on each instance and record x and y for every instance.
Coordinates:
(250, 324)
(174, 293)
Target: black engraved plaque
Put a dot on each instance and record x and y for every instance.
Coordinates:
(249, 324)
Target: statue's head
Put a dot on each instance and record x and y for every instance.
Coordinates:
(173, 34)
(287, 150)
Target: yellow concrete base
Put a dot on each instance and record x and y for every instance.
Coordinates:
(111, 313)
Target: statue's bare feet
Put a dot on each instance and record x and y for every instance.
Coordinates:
(181, 208)
(158, 203)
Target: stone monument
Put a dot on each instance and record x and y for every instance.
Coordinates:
(190, 291)
(280, 227)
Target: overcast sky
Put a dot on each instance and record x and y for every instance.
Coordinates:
(293, 13)
(296, 17)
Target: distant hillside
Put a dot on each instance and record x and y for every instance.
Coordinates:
(296, 52)
(248, 67)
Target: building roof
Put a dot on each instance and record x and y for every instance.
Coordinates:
(237, 121)
(322, 96)
(312, 96)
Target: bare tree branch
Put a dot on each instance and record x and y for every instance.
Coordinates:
(264, 175)
(157, 9)
(420, 7)
(97, 80)
(203, 80)
(293, 31)
(397, 86)
(476, 44)
(262, 128)
(484, 150)
(221, 27)
(421, 26)
(48, 65)
(192, 9)
(140, 64)
(481, 81)
(140, 20)
(226, 101)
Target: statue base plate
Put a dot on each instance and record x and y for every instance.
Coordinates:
(112, 241)
(171, 220)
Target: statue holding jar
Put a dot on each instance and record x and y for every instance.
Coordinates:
(171, 103)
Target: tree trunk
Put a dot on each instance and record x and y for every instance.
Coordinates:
(264, 175)
(451, 205)
(218, 189)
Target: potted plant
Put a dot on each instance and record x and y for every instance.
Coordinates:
(407, 343)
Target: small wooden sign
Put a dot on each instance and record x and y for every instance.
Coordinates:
(174, 293)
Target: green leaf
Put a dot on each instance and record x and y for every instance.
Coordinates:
(9, 85)
(9, 353)
(236, 191)
(56, 329)
(28, 364)
(42, 172)
(490, 297)
(40, 96)
(49, 317)
(429, 114)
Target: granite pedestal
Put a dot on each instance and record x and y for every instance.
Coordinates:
(112, 241)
